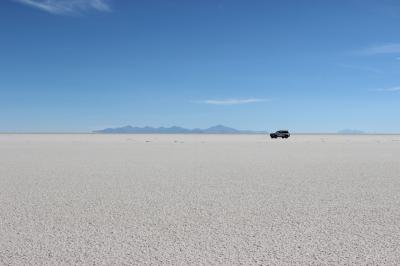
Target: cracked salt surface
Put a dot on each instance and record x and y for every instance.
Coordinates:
(214, 199)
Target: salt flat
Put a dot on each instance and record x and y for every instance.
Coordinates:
(199, 199)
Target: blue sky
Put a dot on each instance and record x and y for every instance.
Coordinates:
(309, 66)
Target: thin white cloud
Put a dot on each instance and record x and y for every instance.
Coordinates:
(235, 101)
(64, 7)
(388, 48)
(361, 68)
(391, 89)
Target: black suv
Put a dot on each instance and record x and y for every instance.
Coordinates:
(280, 134)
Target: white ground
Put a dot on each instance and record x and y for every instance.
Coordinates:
(199, 199)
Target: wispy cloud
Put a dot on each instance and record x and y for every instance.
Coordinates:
(361, 68)
(65, 7)
(388, 48)
(391, 89)
(235, 101)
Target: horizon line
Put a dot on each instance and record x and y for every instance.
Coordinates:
(207, 133)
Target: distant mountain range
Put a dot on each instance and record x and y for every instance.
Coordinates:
(351, 132)
(218, 129)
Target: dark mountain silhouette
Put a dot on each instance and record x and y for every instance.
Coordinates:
(221, 129)
(218, 129)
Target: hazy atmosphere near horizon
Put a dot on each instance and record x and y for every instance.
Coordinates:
(307, 66)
